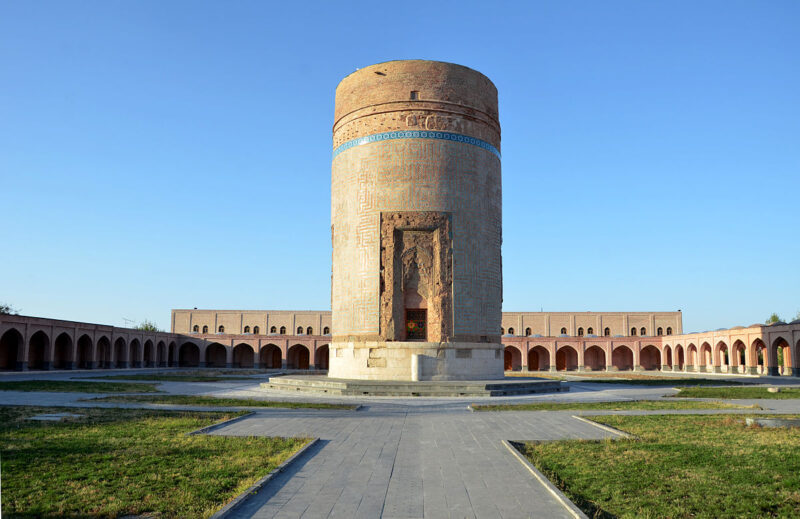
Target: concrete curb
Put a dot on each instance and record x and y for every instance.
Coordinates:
(261, 483)
(209, 428)
(605, 428)
(560, 497)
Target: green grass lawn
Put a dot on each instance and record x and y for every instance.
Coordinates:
(71, 386)
(174, 377)
(627, 405)
(738, 392)
(115, 462)
(681, 466)
(213, 401)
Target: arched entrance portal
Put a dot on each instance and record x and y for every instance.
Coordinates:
(10, 350)
(297, 357)
(321, 357)
(594, 359)
(538, 359)
(566, 359)
(270, 357)
(149, 357)
(512, 359)
(679, 359)
(134, 359)
(668, 357)
(243, 356)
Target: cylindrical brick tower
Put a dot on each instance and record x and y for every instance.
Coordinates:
(416, 224)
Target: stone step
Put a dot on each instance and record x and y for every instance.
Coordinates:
(323, 385)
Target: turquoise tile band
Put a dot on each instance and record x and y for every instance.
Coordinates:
(417, 134)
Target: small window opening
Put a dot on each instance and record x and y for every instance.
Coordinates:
(511, 331)
(633, 331)
(256, 330)
(590, 331)
(580, 332)
(643, 332)
(221, 329)
(326, 331)
(205, 329)
(196, 328)
(563, 331)
(273, 330)
(299, 330)
(527, 332)
(669, 330)
(309, 331)
(414, 95)
(660, 331)
(246, 329)
(607, 332)
(283, 330)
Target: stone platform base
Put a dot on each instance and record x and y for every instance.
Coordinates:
(413, 361)
(333, 386)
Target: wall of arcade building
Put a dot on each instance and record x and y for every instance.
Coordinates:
(754, 350)
(34, 343)
(31, 343)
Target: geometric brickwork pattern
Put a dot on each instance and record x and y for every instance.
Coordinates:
(416, 174)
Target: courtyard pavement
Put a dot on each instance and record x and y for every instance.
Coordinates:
(400, 457)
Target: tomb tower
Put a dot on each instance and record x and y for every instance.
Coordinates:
(416, 286)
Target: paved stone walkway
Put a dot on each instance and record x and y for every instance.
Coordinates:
(403, 458)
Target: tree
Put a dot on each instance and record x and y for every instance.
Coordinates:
(148, 326)
(772, 318)
(8, 309)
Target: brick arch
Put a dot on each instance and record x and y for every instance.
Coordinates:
(705, 356)
(721, 357)
(784, 366)
(270, 356)
(739, 355)
(758, 356)
(134, 353)
(321, 357)
(171, 360)
(216, 355)
(189, 355)
(148, 354)
(668, 362)
(650, 358)
(538, 359)
(120, 353)
(102, 356)
(566, 358)
(62, 352)
(622, 358)
(594, 358)
(512, 358)
(39, 350)
(84, 352)
(297, 357)
(243, 356)
(680, 357)
(161, 354)
(691, 356)
(11, 350)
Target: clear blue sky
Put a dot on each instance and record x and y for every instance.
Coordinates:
(158, 155)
